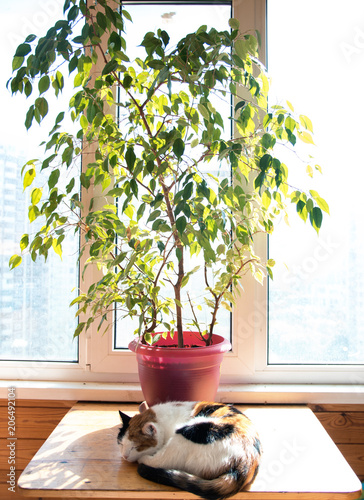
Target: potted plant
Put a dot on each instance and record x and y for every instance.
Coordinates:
(180, 199)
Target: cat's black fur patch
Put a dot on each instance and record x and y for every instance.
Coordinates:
(208, 410)
(155, 474)
(206, 432)
(125, 420)
(232, 411)
(257, 445)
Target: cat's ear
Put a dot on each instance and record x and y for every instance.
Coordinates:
(149, 429)
(143, 407)
(125, 419)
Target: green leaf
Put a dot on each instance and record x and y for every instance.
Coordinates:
(306, 137)
(316, 218)
(78, 79)
(79, 329)
(73, 13)
(60, 117)
(258, 37)
(110, 14)
(290, 123)
(47, 161)
(179, 253)
(84, 122)
(154, 215)
(126, 14)
(42, 105)
(241, 49)
(203, 110)
(14, 261)
(239, 105)
(127, 81)
(23, 50)
(130, 158)
(181, 224)
(141, 211)
(53, 178)
(36, 196)
(161, 246)
(150, 166)
(30, 38)
(148, 338)
(265, 162)
(33, 213)
(72, 65)
(29, 117)
(43, 84)
(28, 88)
(266, 198)
(165, 37)
(156, 64)
(320, 201)
(24, 242)
(67, 155)
(306, 122)
(60, 80)
(302, 210)
(178, 147)
(129, 211)
(114, 42)
(101, 20)
(17, 62)
(188, 190)
(234, 24)
(267, 141)
(110, 67)
(57, 247)
(29, 177)
(70, 185)
(289, 104)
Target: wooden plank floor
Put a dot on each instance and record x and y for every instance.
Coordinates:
(35, 420)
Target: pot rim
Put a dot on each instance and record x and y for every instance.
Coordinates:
(221, 345)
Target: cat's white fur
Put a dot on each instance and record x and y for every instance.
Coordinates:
(173, 450)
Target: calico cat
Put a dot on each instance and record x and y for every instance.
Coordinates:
(209, 449)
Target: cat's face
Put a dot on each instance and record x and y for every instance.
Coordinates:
(138, 436)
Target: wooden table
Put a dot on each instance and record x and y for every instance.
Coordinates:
(81, 459)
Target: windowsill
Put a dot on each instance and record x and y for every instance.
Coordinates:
(250, 393)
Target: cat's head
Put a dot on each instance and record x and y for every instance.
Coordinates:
(139, 435)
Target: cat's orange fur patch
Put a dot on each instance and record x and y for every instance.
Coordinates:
(143, 441)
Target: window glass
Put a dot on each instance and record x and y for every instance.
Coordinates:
(177, 21)
(316, 60)
(36, 322)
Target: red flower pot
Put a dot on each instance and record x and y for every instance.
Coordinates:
(180, 374)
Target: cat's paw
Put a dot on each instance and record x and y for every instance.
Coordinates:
(146, 459)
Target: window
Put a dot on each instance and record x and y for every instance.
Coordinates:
(177, 20)
(306, 327)
(316, 298)
(33, 296)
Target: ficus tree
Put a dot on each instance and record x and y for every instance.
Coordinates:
(183, 197)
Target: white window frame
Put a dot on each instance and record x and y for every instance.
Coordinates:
(245, 364)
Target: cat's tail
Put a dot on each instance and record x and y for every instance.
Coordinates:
(222, 487)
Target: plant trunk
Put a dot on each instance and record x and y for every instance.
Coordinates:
(177, 291)
(181, 272)
(177, 294)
